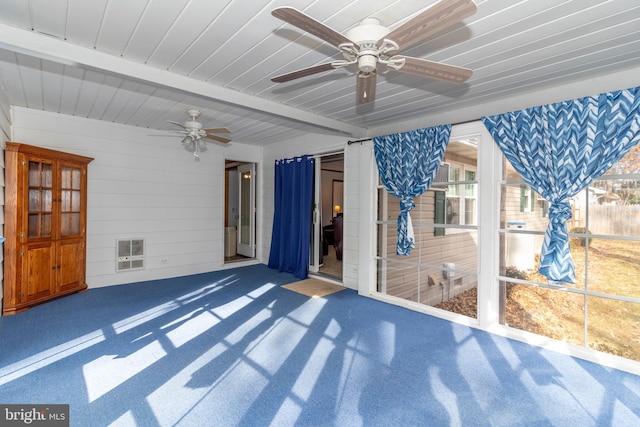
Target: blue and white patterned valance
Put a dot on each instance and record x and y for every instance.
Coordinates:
(559, 149)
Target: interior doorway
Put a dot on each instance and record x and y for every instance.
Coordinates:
(240, 211)
(326, 250)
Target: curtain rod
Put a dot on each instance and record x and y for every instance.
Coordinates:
(359, 140)
(370, 139)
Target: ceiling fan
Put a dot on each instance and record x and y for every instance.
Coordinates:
(194, 133)
(370, 43)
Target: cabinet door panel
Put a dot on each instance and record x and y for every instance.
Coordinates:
(71, 261)
(40, 272)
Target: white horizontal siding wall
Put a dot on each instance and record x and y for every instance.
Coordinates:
(142, 186)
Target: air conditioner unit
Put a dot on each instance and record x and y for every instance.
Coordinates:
(442, 174)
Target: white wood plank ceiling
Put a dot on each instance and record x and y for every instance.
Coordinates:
(143, 62)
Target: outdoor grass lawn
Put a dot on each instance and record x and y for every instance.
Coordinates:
(613, 326)
(614, 268)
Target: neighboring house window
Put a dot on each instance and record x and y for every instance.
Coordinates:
(456, 202)
(461, 204)
(440, 207)
(544, 205)
(527, 198)
(470, 194)
(452, 213)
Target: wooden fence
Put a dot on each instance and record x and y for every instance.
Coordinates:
(612, 219)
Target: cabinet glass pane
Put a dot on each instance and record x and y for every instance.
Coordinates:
(40, 174)
(69, 223)
(75, 178)
(71, 178)
(34, 200)
(39, 225)
(66, 177)
(47, 201)
(47, 175)
(75, 201)
(75, 223)
(66, 201)
(65, 224)
(45, 230)
(34, 174)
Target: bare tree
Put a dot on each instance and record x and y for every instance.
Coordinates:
(629, 190)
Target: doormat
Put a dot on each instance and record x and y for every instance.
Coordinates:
(314, 288)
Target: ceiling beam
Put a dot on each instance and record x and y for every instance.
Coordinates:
(57, 50)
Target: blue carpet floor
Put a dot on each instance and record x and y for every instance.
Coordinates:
(233, 348)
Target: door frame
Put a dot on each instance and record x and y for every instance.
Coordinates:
(316, 217)
(247, 249)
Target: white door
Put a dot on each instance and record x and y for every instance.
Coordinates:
(246, 210)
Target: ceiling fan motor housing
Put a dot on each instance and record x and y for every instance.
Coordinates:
(366, 36)
(368, 31)
(193, 125)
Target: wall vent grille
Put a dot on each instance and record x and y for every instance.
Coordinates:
(129, 254)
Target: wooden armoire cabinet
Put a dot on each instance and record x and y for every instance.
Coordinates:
(45, 225)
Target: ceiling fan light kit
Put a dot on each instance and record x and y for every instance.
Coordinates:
(370, 43)
(195, 133)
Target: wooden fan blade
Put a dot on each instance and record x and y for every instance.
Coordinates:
(434, 19)
(218, 138)
(217, 130)
(434, 70)
(306, 23)
(302, 73)
(365, 87)
(176, 123)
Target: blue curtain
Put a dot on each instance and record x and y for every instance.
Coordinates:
(559, 149)
(407, 163)
(291, 232)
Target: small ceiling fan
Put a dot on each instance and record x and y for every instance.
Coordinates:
(194, 133)
(370, 43)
